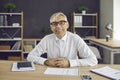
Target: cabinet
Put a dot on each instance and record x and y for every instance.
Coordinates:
(11, 36)
(86, 25)
(28, 45)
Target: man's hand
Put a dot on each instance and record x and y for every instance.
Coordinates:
(62, 62)
(50, 62)
(57, 62)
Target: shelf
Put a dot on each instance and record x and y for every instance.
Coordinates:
(8, 39)
(11, 35)
(87, 14)
(10, 50)
(28, 45)
(85, 26)
(10, 27)
(31, 39)
(10, 13)
(25, 52)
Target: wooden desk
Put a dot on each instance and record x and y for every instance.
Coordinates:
(112, 45)
(38, 74)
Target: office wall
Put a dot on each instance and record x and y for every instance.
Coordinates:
(116, 5)
(38, 12)
(106, 16)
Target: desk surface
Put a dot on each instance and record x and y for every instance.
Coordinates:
(38, 74)
(115, 44)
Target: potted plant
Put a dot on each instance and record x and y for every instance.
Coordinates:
(9, 6)
(83, 9)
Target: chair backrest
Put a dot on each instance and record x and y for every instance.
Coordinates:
(95, 51)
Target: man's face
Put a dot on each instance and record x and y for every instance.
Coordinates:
(59, 26)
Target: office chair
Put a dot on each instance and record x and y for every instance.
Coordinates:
(44, 55)
(96, 52)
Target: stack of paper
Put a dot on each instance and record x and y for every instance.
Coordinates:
(108, 72)
(62, 71)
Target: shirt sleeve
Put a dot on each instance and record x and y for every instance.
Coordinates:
(87, 56)
(35, 54)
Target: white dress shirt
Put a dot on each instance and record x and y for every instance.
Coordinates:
(68, 47)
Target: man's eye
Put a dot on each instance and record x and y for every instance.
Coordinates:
(54, 23)
(62, 22)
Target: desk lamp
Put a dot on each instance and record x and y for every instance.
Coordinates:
(109, 27)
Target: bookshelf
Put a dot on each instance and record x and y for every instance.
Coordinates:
(28, 45)
(11, 29)
(86, 25)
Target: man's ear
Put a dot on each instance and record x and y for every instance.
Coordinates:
(51, 27)
(67, 25)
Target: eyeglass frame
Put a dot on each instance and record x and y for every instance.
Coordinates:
(61, 23)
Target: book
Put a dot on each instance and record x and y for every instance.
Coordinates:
(4, 47)
(108, 72)
(78, 21)
(16, 46)
(23, 66)
(1, 20)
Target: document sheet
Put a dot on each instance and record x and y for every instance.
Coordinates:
(108, 72)
(62, 71)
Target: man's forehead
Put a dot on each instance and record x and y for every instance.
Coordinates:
(59, 18)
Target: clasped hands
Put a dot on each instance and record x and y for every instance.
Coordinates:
(57, 62)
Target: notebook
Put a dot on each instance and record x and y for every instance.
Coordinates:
(108, 72)
(24, 65)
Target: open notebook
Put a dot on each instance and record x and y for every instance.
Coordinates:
(108, 72)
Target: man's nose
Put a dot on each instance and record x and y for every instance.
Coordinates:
(58, 25)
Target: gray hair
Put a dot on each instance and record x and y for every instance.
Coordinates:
(56, 15)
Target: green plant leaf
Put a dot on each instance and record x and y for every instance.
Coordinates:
(81, 8)
(10, 6)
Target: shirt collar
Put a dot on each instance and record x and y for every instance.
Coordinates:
(63, 38)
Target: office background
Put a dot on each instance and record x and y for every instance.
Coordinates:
(38, 12)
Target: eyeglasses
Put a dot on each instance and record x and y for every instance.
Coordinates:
(61, 23)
